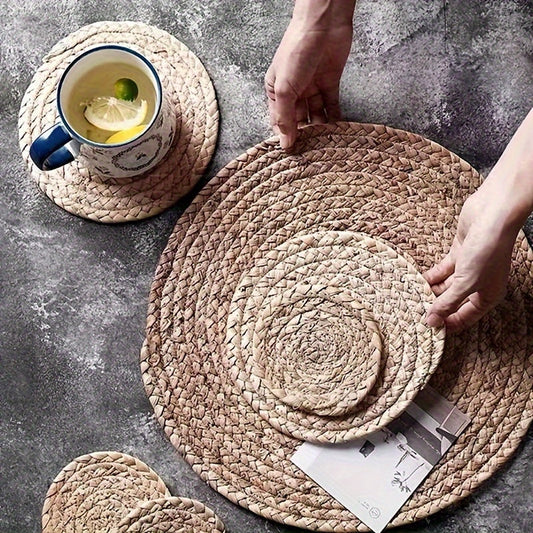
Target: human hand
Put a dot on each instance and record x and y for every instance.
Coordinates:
(472, 278)
(302, 83)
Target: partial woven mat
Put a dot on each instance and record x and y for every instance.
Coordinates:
(184, 80)
(117, 493)
(171, 515)
(280, 265)
(96, 491)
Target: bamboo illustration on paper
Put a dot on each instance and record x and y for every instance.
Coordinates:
(400, 482)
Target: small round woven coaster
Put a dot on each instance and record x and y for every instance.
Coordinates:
(189, 88)
(96, 491)
(324, 333)
(282, 256)
(171, 515)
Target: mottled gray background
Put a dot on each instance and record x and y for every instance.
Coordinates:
(74, 293)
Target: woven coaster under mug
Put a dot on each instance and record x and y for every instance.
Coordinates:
(190, 98)
(292, 274)
(118, 493)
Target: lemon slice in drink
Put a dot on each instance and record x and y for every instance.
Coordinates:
(125, 135)
(112, 114)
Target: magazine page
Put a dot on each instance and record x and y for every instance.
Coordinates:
(375, 475)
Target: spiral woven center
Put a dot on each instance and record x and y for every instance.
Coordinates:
(321, 333)
(318, 351)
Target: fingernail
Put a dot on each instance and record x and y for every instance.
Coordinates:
(434, 321)
(286, 141)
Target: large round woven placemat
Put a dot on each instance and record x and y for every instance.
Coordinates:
(189, 88)
(96, 491)
(296, 223)
(171, 515)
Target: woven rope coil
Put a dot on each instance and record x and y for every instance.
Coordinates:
(189, 88)
(171, 515)
(318, 281)
(117, 493)
(347, 179)
(95, 491)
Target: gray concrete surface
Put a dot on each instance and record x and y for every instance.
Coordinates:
(74, 293)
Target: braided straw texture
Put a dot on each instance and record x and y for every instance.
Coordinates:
(302, 341)
(171, 515)
(284, 257)
(189, 88)
(96, 491)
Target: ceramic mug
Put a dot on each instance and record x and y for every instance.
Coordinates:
(68, 139)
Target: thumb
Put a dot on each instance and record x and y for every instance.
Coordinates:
(447, 303)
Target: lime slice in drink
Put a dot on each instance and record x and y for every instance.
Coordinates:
(125, 135)
(111, 114)
(126, 89)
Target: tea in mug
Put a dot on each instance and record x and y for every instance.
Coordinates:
(111, 103)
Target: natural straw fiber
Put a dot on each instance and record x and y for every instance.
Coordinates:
(269, 265)
(302, 341)
(171, 515)
(96, 491)
(186, 83)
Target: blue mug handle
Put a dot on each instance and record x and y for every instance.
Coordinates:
(50, 150)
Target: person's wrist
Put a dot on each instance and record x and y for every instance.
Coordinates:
(312, 15)
(342, 13)
(510, 183)
(321, 15)
(509, 190)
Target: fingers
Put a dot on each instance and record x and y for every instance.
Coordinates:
(315, 107)
(287, 114)
(324, 105)
(446, 304)
(302, 114)
(440, 272)
(332, 104)
(282, 99)
(440, 277)
(460, 309)
(439, 288)
(467, 315)
(284, 116)
(270, 78)
(467, 289)
(288, 110)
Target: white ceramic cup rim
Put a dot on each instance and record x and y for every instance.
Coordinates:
(155, 79)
